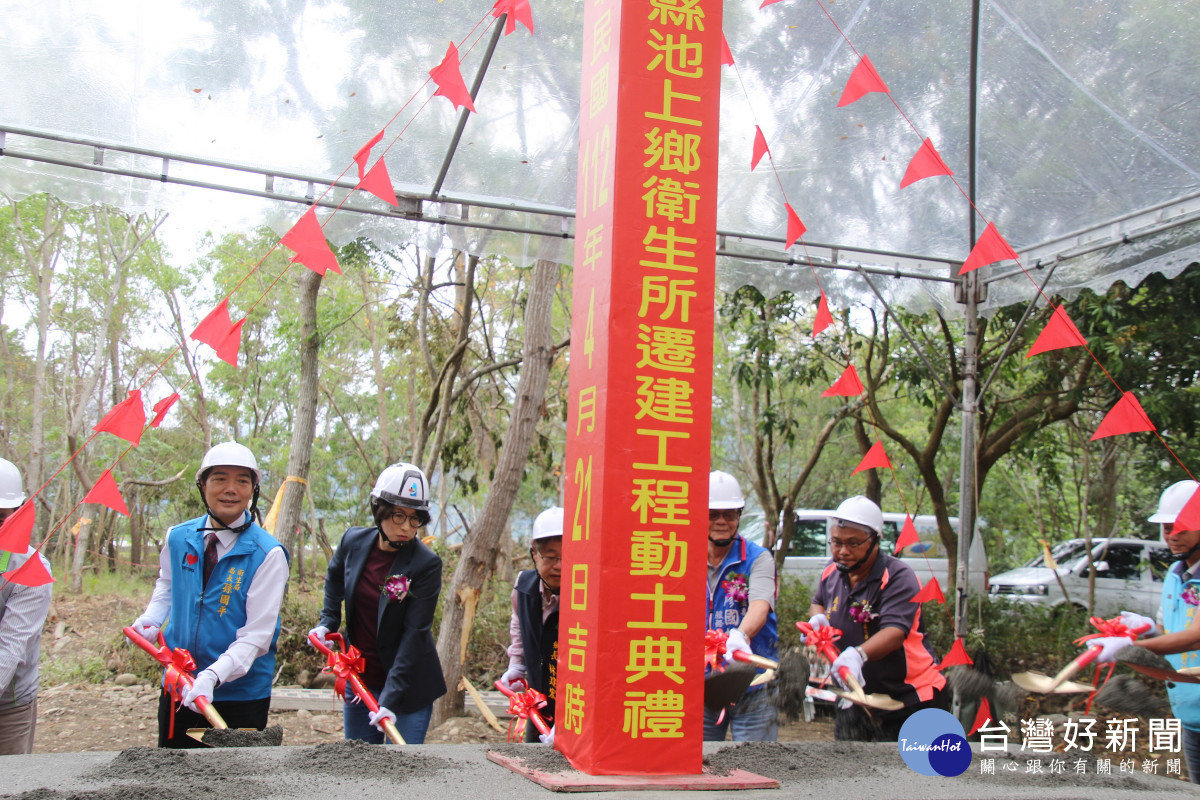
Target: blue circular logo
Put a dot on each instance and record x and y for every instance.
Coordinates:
(932, 742)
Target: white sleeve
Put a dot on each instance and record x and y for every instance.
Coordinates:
(160, 600)
(263, 600)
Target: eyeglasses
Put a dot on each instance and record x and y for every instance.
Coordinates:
(842, 544)
(401, 519)
(727, 514)
(549, 560)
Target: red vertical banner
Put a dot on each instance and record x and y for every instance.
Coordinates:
(631, 626)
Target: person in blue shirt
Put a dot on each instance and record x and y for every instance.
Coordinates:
(741, 602)
(220, 584)
(1179, 634)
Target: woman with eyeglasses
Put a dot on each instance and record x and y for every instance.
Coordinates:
(389, 581)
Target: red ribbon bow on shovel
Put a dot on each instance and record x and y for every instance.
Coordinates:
(525, 705)
(179, 666)
(346, 663)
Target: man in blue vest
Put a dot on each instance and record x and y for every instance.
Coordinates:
(1179, 638)
(220, 583)
(533, 628)
(741, 601)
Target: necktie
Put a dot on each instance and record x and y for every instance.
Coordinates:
(210, 556)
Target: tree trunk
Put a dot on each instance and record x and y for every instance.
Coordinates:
(480, 549)
(300, 454)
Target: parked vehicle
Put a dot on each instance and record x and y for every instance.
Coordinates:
(808, 551)
(1129, 576)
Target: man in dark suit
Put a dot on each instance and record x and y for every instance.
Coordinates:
(389, 581)
(533, 628)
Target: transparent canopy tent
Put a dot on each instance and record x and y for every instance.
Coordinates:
(1088, 142)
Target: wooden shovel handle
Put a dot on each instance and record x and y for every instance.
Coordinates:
(758, 661)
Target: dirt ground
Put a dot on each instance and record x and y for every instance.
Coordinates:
(82, 707)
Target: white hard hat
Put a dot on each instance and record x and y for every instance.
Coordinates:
(1173, 499)
(403, 484)
(724, 492)
(229, 454)
(12, 492)
(548, 523)
(861, 511)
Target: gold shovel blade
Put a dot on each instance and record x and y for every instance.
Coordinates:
(1044, 684)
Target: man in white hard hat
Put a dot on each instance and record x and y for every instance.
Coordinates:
(741, 602)
(23, 611)
(867, 595)
(533, 627)
(220, 583)
(1180, 630)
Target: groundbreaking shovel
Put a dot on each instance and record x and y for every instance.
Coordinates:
(179, 665)
(525, 705)
(346, 665)
(1037, 682)
(823, 641)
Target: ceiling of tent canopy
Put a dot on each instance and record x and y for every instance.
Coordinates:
(1088, 129)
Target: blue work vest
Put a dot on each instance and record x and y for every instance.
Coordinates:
(725, 613)
(1177, 615)
(205, 619)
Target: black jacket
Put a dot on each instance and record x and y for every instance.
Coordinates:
(405, 644)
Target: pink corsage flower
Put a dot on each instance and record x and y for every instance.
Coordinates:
(395, 587)
(1191, 596)
(860, 611)
(737, 587)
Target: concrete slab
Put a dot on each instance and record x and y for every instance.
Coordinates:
(847, 771)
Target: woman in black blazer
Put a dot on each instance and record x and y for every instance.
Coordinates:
(389, 581)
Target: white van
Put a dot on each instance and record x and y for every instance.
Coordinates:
(808, 552)
(1129, 576)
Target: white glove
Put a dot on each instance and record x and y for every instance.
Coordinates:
(514, 680)
(548, 738)
(377, 718)
(736, 643)
(320, 632)
(1109, 647)
(203, 686)
(852, 660)
(147, 628)
(818, 621)
(1133, 620)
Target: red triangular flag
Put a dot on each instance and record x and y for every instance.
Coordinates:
(957, 657)
(925, 164)
(1189, 516)
(848, 385)
(162, 407)
(863, 80)
(726, 53)
(308, 241)
(364, 153)
(106, 493)
(795, 227)
(760, 148)
(767, 3)
(220, 334)
(982, 717)
(1126, 416)
(127, 419)
(990, 248)
(1059, 332)
(517, 11)
(379, 183)
(874, 458)
(908, 534)
(17, 529)
(31, 573)
(931, 591)
(449, 80)
(824, 318)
